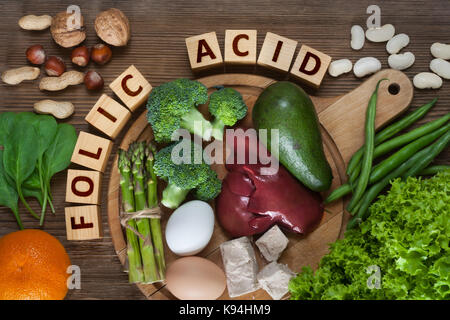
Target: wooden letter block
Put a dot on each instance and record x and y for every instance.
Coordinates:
(92, 151)
(204, 51)
(310, 66)
(240, 46)
(108, 116)
(277, 52)
(131, 87)
(83, 223)
(83, 186)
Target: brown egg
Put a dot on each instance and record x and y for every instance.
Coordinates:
(195, 278)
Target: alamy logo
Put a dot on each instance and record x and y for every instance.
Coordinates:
(237, 154)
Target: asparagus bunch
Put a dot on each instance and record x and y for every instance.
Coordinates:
(145, 253)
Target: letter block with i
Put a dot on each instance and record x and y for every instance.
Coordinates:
(92, 151)
(277, 52)
(240, 46)
(310, 66)
(204, 51)
(131, 87)
(108, 116)
(83, 223)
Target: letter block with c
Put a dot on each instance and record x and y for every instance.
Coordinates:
(240, 46)
(131, 87)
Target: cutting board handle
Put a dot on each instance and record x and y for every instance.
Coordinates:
(344, 118)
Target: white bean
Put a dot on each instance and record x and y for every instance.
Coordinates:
(401, 61)
(440, 67)
(381, 34)
(365, 66)
(397, 43)
(358, 38)
(338, 67)
(440, 50)
(427, 80)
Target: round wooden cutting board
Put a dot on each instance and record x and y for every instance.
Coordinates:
(301, 250)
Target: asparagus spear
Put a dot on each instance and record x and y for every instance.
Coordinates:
(152, 198)
(143, 225)
(135, 272)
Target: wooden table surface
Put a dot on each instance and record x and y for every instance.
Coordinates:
(157, 48)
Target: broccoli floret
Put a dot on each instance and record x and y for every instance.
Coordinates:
(172, 106)
(185, 177)
(227, 106)
(209, 189)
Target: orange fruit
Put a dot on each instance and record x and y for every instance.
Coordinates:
(33, 266)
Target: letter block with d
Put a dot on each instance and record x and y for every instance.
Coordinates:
(204, 51)
(131, 87)
(83, 186)
(310, 66)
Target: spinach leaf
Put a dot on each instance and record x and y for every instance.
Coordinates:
(32, 187)
(6, 122)
(8, 195)
(58, 155)
(20, 153)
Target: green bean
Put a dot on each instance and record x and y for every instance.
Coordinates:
(432, 170)
(436, 149)
(368, 147)
(338, 193)
(389, 164)
(375, 190)
(404, 170)
(401, 140)
(390, 131)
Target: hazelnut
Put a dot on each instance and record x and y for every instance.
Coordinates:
(36, 54)
(80, 56)
(54, 66)
(101, 53)
(93, 80)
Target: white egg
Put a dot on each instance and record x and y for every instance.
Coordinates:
(190, 228)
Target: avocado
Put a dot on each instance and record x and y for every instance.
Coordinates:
(286, 107)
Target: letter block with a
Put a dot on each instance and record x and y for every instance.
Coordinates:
(204, 51)
(108, 116)
(310, 66)
(131, 87)
(240, 46)
(83, 186)
(92, 151)
(277, 52)
(83, 223)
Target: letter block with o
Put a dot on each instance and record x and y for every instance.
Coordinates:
(83, 186)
